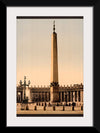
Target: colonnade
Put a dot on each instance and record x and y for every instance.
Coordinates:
(40, 96)
(64, 96)
(71, 96)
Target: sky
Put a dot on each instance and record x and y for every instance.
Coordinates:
(34, 50)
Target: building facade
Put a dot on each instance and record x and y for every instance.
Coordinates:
(68, 94)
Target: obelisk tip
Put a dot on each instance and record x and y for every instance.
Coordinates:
(54, 26)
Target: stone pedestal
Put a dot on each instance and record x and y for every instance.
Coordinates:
(54, 94)
(24, 106)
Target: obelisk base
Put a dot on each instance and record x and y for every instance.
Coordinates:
(54, 96)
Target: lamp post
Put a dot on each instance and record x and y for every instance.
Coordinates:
(24, 85)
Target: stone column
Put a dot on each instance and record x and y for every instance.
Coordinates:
(81, 96)
(23, 94)
(39, 96)
(30, 96)
(67, 96)
(73, 96)
(77, 97)
(44, 96)
(64, 96)
(47, 97)
(60, 96)
(20, 97)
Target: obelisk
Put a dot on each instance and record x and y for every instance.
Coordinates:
(54, 86)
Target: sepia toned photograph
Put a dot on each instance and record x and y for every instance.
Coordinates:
(49, 66)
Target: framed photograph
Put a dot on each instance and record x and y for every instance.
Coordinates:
(50, 96)
(49, 63)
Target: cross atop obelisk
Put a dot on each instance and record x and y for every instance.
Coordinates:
(54, 86)
(54, 26)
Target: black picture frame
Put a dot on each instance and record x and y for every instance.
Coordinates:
(96, 41)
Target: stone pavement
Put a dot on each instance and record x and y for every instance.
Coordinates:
(41, 110)
(48, 112)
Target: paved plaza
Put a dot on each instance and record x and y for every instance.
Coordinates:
(49, 110)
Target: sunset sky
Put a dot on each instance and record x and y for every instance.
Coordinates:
(34, 50)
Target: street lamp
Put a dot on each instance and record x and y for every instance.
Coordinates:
(24, 85)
